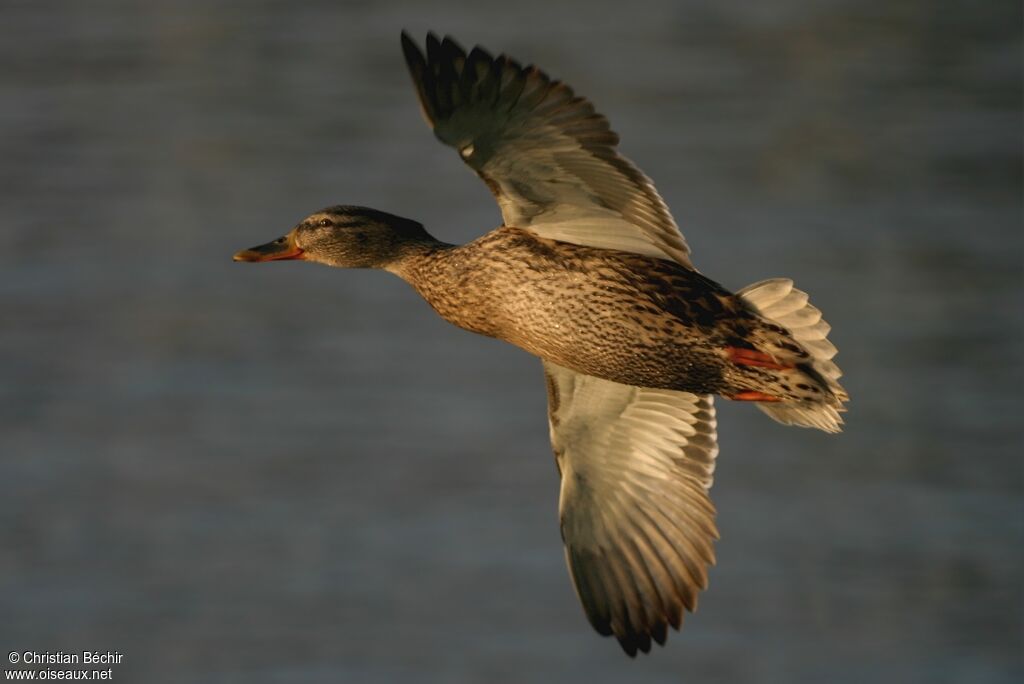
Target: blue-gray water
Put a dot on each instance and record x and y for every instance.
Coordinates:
(287, 473)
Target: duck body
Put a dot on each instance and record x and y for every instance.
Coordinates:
(620, 316)
(590, 273)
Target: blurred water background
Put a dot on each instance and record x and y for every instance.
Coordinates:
(288, 473)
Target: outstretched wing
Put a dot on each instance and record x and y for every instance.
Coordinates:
(638, 526)
(547, 156)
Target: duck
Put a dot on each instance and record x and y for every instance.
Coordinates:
(590, 273)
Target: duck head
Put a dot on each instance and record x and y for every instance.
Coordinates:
(344, 236)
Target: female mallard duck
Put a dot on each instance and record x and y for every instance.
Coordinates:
(590, 273)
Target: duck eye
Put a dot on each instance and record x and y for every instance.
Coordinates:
(325, 222)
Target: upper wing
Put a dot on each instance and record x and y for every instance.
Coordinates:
(547, 156)
(638, 526)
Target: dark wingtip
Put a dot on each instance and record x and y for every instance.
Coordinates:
(433, 43)
(640, 642)
(659, 633)
(410, 49)
(452, 48)
(479, 54)
(628, 646)
(416, 61)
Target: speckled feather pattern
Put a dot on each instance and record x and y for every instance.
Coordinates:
(619, 316)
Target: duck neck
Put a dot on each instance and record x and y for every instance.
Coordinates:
(415, 256)
(453, 281)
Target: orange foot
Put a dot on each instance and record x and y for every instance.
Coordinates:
(752, 357)
(753, 395)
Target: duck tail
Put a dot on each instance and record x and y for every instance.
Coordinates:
(780, 302)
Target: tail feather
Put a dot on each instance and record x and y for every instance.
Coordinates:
(780, 302)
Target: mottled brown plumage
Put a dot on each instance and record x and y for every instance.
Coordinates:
(616, 315)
